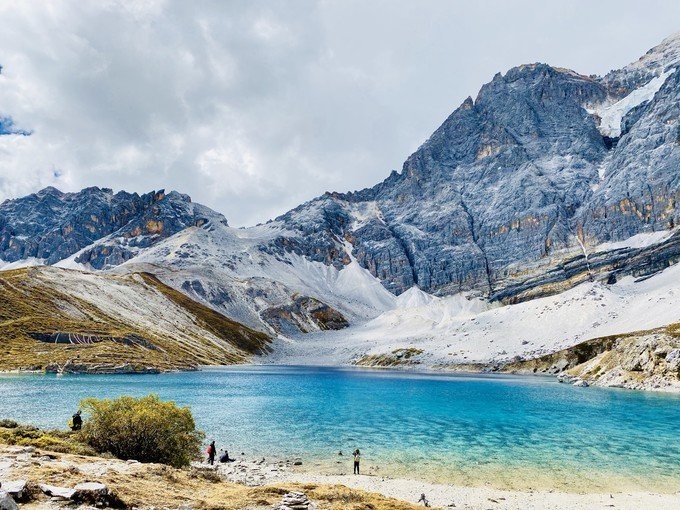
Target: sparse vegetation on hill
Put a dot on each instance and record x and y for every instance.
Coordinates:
(60, 320)
(398, 357)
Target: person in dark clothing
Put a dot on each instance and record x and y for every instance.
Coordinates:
(76, 421)
(357, 459)
(225, 457)
(211, 453)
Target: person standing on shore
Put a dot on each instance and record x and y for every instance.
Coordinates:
(211, 453)
(357, 459)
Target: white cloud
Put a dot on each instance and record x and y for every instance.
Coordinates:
(255, 107)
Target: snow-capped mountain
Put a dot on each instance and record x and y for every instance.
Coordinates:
(546, 179)
(516, 182)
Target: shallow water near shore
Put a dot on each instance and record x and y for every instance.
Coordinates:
(507, 431)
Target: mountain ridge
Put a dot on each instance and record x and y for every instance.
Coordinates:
(509, 199)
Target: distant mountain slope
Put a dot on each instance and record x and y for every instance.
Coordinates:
(454, 332)
(51, 226)
(63, 320)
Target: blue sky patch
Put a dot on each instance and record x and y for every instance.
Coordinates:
(7, 127)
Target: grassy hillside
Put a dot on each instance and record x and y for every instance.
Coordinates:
(58, 319)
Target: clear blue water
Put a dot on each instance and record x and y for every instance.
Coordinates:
(511, 431)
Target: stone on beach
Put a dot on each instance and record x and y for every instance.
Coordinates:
(6, 501)
(57, 492)
(86, 491)
(295, 501)
(93, 488)
(15, 488)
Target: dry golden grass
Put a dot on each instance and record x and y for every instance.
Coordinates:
(29, 307)
(61, 441)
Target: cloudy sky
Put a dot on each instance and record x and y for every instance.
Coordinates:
(253, 107)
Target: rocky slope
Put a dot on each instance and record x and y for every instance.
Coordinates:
(643, 360)
(68, 321)
(51, 226)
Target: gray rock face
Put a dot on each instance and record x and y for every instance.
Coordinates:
(304, 314)
(641, 185)
(521, 175)
(52, 225)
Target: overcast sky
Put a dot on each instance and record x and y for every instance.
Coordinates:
(253, 107)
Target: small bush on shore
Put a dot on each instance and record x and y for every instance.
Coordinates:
(145, 429)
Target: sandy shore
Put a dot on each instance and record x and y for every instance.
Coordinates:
(149, 485)
(478, 498)
(441, 495)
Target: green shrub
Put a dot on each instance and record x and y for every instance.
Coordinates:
(144, 429)
(8, 424)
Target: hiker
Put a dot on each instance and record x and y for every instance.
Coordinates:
(211, 453)
(424, 500)
(225, 457)
(76, 421)
(357, 458)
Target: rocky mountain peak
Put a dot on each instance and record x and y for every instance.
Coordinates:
(516, 177)
(51, 225)
(658, 61)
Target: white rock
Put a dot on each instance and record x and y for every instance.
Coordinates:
(15, 488)
(92, 487)
(57, 492)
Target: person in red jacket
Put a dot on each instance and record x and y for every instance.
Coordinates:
(211, 453)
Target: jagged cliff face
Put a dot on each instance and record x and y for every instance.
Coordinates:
(543, 164)
(512, 191)
(51, 225)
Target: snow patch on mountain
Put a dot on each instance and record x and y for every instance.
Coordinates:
(458, 330)
(611, 114)
(642, 240)
(414, 297)
(31, 261)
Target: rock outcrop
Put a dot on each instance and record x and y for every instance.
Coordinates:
(646, 360)
(295, 501)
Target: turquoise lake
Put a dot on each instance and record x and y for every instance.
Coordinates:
(515, 432)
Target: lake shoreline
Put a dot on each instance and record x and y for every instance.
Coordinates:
(462, 369)
(257, 484)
